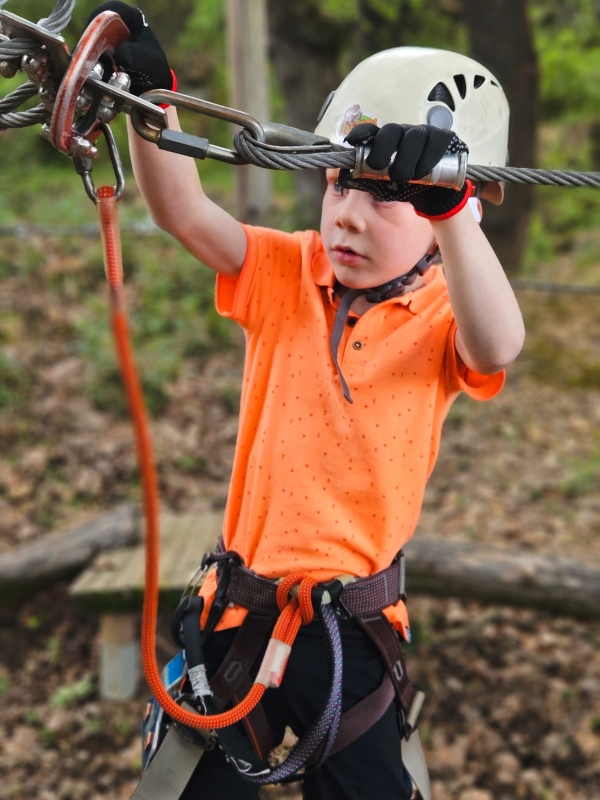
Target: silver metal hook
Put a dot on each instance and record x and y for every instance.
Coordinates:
(84, 165)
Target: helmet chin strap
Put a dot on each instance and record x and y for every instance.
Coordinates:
(374, 294)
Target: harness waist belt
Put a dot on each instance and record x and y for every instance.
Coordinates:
(364, 596)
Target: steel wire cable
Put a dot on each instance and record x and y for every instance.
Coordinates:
(269, 157)
(15, 49)
(539, 177)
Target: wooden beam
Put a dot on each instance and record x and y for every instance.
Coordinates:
(502, 576)
(114, 582)
(63, 554)
(247, 39)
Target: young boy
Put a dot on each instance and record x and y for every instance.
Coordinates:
(342, 401)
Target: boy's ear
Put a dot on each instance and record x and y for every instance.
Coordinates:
(476, 208)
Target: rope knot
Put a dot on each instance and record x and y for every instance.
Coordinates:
(305, 586)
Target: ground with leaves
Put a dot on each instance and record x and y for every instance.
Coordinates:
(513, 706)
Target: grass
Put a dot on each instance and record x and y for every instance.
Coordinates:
(584, 477)
(73, 693)
(172, 319)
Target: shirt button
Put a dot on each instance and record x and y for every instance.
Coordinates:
(357, 345)
(352, 321)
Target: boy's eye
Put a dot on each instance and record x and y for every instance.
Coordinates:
(338, 188)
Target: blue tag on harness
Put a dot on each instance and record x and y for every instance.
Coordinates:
(155, 722)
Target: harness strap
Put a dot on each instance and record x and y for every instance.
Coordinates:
(171, 768)
(256, 724)
(231, 680)
(363, 596)
(361, 717)
(243, 652)
(385, 638)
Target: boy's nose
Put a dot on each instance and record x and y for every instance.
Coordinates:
(350, 215)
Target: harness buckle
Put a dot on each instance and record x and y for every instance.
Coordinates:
(226, 561)
(410, 719)
(332, 592)
(402, 576)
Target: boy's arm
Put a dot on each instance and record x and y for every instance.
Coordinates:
(171, 187)
(490, 330)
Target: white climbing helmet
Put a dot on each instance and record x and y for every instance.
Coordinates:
(421, 85)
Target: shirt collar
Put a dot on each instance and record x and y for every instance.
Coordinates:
(415, 301)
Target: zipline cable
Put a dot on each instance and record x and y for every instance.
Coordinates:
(338, 157)
(15, 49)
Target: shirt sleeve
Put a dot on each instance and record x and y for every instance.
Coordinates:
(459, 378)
(273, 263)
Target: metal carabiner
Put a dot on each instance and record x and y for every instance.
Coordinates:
(84, 165)
(186, 144)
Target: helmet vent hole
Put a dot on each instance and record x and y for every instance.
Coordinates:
(441, 94)
(479, 81)
(461, 85)
(494, 83)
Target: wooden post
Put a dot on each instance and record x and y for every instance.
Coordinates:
(119, 656)
(247, 36)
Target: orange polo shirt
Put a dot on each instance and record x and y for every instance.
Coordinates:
(319, 485)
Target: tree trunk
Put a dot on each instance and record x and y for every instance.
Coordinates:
(501, 40)
(61, 555)
(436, 566)
(305, 49)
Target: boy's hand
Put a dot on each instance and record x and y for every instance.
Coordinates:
(418, 149)
(142, 58)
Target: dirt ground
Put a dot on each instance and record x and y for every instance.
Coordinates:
(513, 708)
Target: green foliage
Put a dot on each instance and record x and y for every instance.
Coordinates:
(14, 382)
(567, 37)
(172, 318)
(4, 683)
(583, 478)
(73, 693)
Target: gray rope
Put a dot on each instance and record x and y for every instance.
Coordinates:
(270, 157)
(16, 48)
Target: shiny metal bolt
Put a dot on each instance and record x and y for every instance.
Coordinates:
(46, 131)
(8, 69)
(82, 147)
(47, 93)
(85, 99)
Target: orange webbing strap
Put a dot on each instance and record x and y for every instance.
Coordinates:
(294, 612)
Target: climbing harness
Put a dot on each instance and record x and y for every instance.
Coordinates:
(190, 714)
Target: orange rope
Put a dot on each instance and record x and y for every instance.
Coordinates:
(294, 612)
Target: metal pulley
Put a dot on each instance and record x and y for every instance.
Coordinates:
(72, 86)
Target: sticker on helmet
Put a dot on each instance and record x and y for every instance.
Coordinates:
(352, 117)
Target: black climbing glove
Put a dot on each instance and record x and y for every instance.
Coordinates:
(142, 57)
(418, 149)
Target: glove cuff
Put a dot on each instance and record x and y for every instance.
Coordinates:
(173, 89)
(466, 191)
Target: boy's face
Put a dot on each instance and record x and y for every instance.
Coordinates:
(369, 242)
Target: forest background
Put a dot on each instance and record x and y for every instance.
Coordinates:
(514, 696)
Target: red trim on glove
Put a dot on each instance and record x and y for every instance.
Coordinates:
(173, 89)
(456, 209)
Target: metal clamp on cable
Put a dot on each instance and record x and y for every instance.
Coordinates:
(450, 172)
